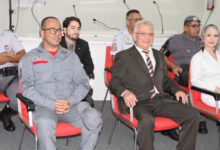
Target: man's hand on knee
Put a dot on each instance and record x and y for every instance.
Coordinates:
(129, 98)
(62, 106)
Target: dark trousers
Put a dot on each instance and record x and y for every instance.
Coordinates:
(187, 117)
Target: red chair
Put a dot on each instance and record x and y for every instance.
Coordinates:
(25, 109)
(172, 76)
(3, 98)
(107, 72)
(197, 103)
(161, 123)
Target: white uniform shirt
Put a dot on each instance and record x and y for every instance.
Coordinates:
(121, 41)
(205, 73)
(9, 42)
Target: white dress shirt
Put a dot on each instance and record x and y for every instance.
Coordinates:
(205, 73)
(151, 55)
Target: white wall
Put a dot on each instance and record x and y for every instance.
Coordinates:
(111, 12)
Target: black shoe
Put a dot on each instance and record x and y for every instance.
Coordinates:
(171, 133)
(202, 127)
(218, 123)
(5, 118)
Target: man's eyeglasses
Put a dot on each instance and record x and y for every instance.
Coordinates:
(145, 34)
(135, 19)
(194, 26)
(53, 30)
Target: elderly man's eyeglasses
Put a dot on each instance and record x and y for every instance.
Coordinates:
(194, 26)
(53, 30)
(145, 34)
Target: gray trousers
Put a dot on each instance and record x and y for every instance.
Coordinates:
(46, 120)
(11, 90)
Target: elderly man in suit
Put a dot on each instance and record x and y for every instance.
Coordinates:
(139, 77)
(71, 41)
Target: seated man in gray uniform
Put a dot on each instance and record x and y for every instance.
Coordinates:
(182, 47)
(54, 79)
(11, 51)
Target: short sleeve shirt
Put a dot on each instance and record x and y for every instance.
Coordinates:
(183, 48)
(121, 41)
(9, 42)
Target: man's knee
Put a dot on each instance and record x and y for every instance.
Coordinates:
(91, 118)
(195, 115)
(45, 124)
(146, 122)
(192, 114)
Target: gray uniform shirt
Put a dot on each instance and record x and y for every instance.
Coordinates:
(183, 48)
(46, 78)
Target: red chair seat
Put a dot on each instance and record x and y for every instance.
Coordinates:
(161, 123)
(60, 132)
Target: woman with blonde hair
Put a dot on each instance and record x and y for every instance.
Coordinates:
(205, 64)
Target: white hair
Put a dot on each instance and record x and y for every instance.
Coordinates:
(142, 22)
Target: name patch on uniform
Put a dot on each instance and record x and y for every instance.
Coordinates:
(39, 60)
(114, 47)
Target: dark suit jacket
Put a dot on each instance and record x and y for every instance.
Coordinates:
(130, 72)
(83, 52)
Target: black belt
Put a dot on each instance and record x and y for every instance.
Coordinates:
(1, 71)
(9, 71)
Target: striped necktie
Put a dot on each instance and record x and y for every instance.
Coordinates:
(151, 71)
(149, 63)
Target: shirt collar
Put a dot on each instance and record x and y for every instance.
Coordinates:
(196, 38)
(41, 49)
(140, 50)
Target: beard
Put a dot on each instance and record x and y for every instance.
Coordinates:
(73, 36)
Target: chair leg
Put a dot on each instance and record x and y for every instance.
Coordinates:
(36, 142)
(67, 141)
(103, 103)
(22, 137)
(135, 139)
(113, 129)
(219, 137)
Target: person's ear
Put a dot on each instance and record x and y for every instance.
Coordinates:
(134, 37)
(41, 33)
(186, 28)
(64, 30)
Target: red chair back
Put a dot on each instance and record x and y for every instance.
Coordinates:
(161, 123)
(172, 76)
(108, 65)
